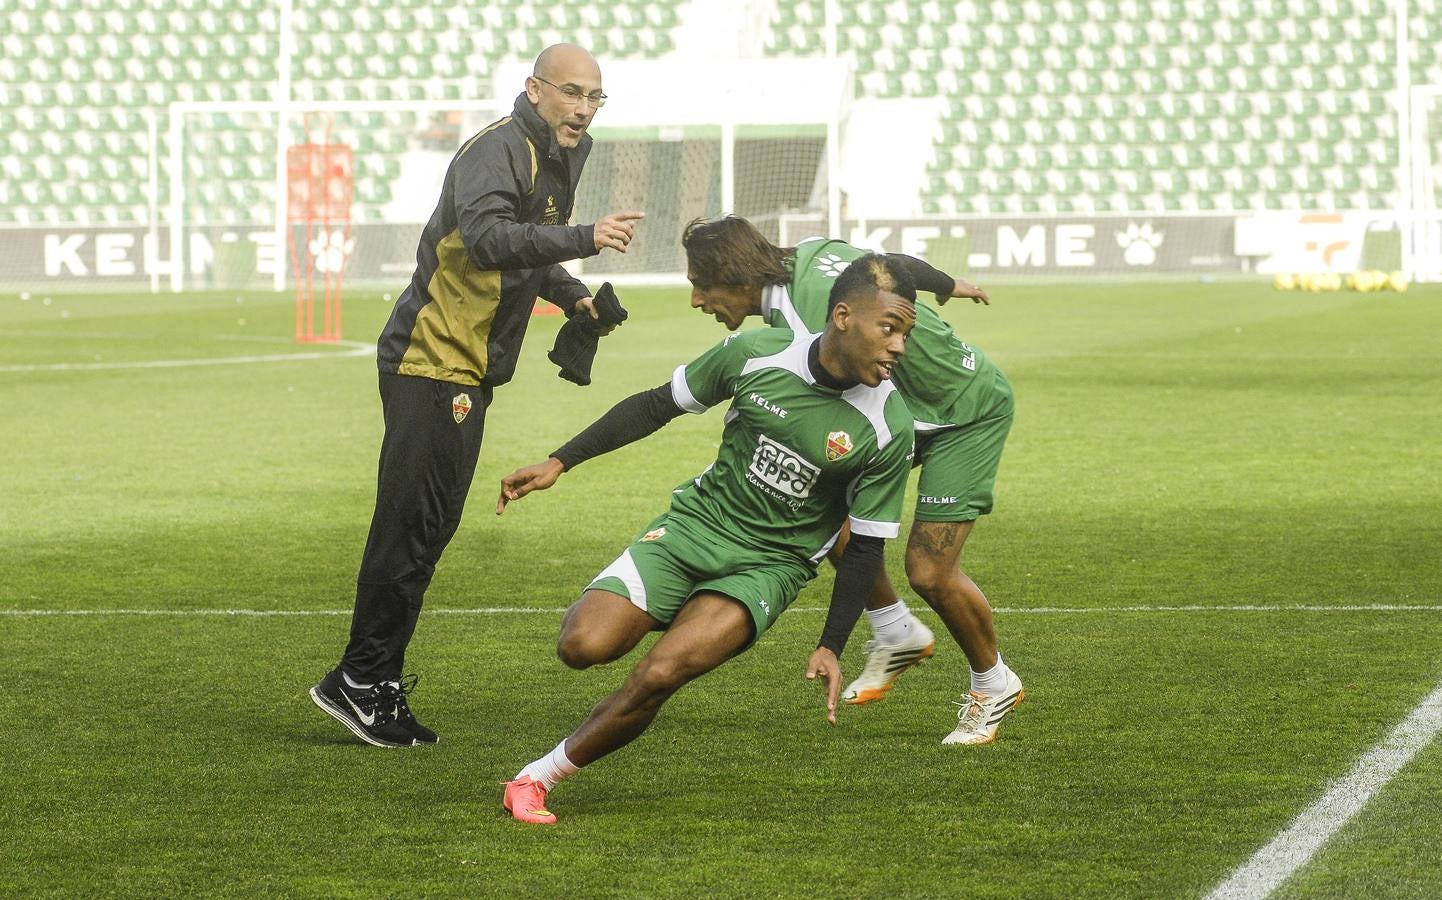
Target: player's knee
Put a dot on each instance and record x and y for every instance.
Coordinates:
(927, 577)
(578, 652)
(659, 677)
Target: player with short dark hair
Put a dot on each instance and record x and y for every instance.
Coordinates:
(493, 246)
(816, 437)
(963, 408)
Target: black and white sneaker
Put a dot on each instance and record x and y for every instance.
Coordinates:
(397, 691)
(378, 715)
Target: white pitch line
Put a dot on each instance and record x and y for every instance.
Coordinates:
(504, 610)
(1300, 841)
(353, 348)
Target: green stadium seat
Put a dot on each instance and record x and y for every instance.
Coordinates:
(1057, 73)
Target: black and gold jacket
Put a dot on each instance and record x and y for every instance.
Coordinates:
(492, 247)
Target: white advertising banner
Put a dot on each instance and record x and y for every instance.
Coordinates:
(1307, 242)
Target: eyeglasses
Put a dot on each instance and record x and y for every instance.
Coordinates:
(573, 94)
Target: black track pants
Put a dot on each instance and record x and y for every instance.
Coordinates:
(427, 461)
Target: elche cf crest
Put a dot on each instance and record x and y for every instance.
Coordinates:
(838, 444)
(460, 406)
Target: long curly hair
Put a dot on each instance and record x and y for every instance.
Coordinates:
(731, 251)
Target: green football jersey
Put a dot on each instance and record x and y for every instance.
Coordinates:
(945, 381)
(796, 458)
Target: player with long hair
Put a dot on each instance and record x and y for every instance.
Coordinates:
(963, 409)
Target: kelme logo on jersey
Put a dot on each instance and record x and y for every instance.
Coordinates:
(460, 406)
(830, 265)
(768, 405)
(778, 466)
(838, 444)
(655, 534)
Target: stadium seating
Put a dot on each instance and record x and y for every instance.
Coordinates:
(1051, 105)
(1080, 105)
(77, 78)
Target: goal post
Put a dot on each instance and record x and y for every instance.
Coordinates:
(1423, 225)
(765, 147)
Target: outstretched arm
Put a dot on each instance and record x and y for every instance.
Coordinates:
(860, 564)
(630, 420)
(930, 278)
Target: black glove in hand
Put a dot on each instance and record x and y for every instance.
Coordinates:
(575, 346)
(609, 311)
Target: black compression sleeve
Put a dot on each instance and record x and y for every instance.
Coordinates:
(630, 420)
(926, 276)
(860, 564)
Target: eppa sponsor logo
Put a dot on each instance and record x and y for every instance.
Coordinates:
(782, 468)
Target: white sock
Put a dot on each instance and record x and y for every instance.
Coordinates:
(353, 683)
(992, 681)
(551, 768)
(890, 624)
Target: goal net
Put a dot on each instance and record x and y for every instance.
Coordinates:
(676, 174)
(655, 150)
(226, 196)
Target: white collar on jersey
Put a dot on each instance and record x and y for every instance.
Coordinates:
(776, 298)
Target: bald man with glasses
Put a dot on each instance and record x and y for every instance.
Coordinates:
(493, 246)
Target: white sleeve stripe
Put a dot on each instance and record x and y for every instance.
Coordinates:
(681, 393)
(875, 529)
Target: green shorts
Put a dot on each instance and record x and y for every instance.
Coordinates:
(958, 465)
(671, 561)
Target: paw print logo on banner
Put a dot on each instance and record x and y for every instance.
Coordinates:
(329, 249)
(1139, 244)
(830, 265)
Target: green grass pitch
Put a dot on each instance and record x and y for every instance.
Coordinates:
(1216, 559)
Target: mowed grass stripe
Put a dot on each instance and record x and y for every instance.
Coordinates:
(1241, 486)
(345, 349)
(529, 610)
(197, 764)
